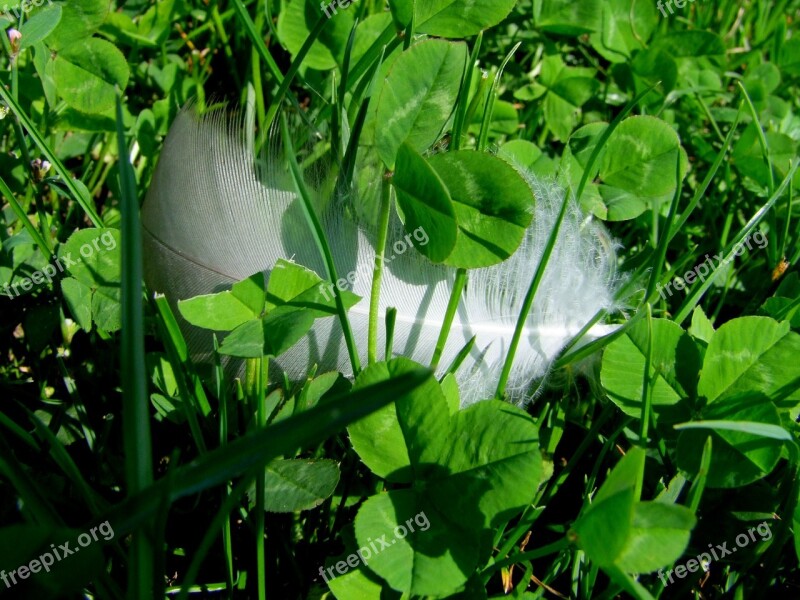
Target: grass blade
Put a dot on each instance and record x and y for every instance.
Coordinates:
(698, 291)
(293, 69)
(136, 415)
(699, 484)
(24, 219)
(322, 244)
(84, 202)
(258, 448)
(528, 303)
(377, 271)
(601, 143)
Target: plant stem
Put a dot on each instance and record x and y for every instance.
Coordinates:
(135, 401)
(524, 556)
(256, 378)
(59, 167)
(24, 219)
(528, 303)
(322, 245)
(377, 273)
(463, 99)
(647, 396)
(455, 297)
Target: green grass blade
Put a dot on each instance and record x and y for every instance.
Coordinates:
(660, 256)
(461, 356)
(491, 100)
(84, 203)
(699, 483)
(294, 68)
(19, 433)
(136, 405)
(601, 143)
(67, 465)
(452, 306)
(528, 303)
(698, 291)
(647, 395)
(175, 343)
(598, 344)
(24, 219)
(703, 188)
(77, 401)
(257, 40)
(774, 432)
(382, 46)
(762, 141)
(258, 448)
(35, 506)
(220, 521)
(463, 98)
(377, 271)
(252, 33)
(322, 245)
(523, 556)
(172, 339)
(628, 583)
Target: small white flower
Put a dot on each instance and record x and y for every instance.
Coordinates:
(14, 36)
(40, 168)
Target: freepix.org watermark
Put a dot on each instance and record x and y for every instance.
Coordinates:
(25, 6)
(332, 8)
(47, 273)
(48, 559)
(704, 559)
(668, 3)
(364, 554)
(400, 247)
(708, 266)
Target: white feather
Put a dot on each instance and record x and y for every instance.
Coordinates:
(214, 216)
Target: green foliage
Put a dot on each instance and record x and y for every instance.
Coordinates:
(294, 298)
(619, 530)
(93, 286)
(86, 74)
(459, 18)
(469, 471)
(295, 25)
(292, 485)
(493, 206)
(674, 366)
(740, 456)
(415, 111)
(39, 26)
(638, 167)
(425, 202)
(766, 367)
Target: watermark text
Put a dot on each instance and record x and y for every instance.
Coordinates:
(49, 271)
(23, 7)
(48, 559)
(400, 247)
(704, 559)
(363, 555)
(708, 266)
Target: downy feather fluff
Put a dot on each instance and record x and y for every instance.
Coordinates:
(214, 215)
